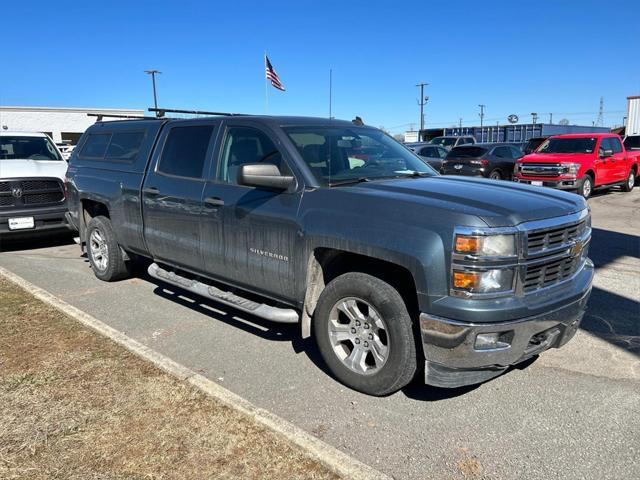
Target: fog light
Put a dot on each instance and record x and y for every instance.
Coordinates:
(490, 341)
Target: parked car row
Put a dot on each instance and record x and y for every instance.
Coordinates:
(574, 162)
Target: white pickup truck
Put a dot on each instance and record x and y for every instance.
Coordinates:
(32, 194)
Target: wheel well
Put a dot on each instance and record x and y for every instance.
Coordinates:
(325, 264)
(91, 208)
(591, 174)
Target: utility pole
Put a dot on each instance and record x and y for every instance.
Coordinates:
(153, 80)
(481, 114)
(551, 119)
(422, 102)
(534, 116)
(460, 126)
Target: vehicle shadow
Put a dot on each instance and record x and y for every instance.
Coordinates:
(35, 241)
(610, 316)
(280, 332)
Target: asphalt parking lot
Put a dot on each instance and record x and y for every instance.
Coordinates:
(572, 413)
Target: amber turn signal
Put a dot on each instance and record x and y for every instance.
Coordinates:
(466, 280)
(467, 244)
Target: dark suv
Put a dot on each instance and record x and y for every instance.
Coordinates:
(489, 160)
(391, 267)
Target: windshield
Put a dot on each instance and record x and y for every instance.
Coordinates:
(632, 143)
(339, 154)
(568, 145)
(444, 141)
(32, 148)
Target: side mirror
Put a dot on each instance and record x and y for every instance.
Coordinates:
(265, 175)
(606, 153)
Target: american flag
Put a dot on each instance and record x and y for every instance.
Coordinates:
(272, 76)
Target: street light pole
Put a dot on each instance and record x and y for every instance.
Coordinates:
(422, 102)
(153, 81)
(481, 114)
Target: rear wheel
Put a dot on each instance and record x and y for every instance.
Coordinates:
(105, 255)
(495, 175)
(585, 187)
(364, 334)
(631, 181)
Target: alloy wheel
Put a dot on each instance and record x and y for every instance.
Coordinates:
(99, 250)
(358, 335)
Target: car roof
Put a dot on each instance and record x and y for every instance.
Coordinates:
(584, 135)
(487, 145)
(281, 121)
(455, 136)
(10, 133)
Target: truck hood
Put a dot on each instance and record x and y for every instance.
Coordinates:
(555, 158)
(497, 203)
(32, 168)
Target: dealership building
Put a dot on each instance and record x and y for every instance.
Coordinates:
(61, 124)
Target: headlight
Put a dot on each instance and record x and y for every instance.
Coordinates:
(487, 281)
(486, 245)
(571, 168)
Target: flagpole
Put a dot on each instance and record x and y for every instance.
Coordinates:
(330, 90)
(266, 86)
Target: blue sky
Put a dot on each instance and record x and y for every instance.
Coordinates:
(516, 57)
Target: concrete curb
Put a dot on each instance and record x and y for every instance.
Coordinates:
(338, 462)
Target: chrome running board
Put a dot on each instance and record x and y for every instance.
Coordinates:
(275, 314)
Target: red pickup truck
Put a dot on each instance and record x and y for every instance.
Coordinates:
(580, 162)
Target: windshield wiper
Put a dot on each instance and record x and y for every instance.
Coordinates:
(349, 181)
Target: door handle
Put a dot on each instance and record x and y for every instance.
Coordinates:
(151, 191)
(214, 201)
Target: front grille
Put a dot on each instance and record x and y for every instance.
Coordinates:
(31, 185)
(554, 253)
(554, 238)
(42, 198)
(31, 192)
(541, 170)
(548, 273)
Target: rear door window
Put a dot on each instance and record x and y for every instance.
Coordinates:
(185, 151)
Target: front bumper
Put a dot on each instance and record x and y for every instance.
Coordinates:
(45, 219)
(453, 360)
(561, 184)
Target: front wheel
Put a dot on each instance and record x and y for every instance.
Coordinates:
(631, 181)
(364, 334)
(585, 187)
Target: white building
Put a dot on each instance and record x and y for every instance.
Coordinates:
(61, 124)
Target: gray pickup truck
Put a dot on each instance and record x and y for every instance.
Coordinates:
(393, 268)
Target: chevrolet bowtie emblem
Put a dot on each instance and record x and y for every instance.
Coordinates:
(576, 248)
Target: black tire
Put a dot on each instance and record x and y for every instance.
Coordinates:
(495, 175)
(400, 365)
(115, 267)
(585, 187)
(630, 182)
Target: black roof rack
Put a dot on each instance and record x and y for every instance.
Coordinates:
(113, 115)
(161, 112)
